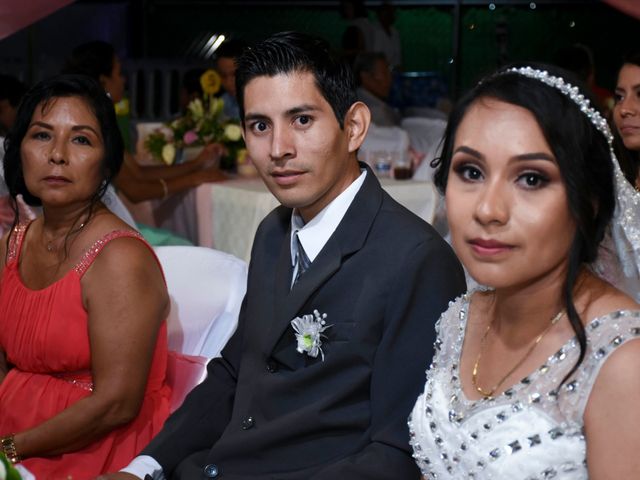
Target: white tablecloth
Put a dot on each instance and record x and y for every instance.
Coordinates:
(229, 212)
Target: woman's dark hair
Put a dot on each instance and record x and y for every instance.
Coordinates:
(629, 160)
(41, 96)
(583, 158)
(92, 59)
(288, 52)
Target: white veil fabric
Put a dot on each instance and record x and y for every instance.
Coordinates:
(618, 260)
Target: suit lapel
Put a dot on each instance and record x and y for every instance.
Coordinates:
(349, 237)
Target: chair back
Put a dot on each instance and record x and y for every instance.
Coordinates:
(206, 287)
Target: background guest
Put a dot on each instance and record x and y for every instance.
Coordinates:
(626, 117)
(619, 260)
(191, 87)
(83, 347)
(374, 80)
(358, 36)
(98, 60)
(385, 38)
(226, 57)
(11, 92)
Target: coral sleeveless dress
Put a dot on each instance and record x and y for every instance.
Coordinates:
(45, 336)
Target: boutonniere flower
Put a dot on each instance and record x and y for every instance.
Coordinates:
(309, 335)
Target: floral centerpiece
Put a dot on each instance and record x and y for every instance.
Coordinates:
(7, 471)
(203, 123)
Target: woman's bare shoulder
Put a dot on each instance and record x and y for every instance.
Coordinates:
(601, 298)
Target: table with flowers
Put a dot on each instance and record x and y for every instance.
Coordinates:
(202, 123)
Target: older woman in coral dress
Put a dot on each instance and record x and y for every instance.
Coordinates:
(82, 297)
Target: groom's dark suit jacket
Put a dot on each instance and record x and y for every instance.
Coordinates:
(266, 411)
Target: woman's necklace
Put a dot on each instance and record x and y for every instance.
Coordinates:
(51, 244)
(474, 374)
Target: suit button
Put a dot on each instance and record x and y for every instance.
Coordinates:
(248, 423)
(272, 366)
(211, 471)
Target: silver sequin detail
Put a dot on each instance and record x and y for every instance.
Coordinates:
(513, 447)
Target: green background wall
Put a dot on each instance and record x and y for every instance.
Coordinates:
(426, 32)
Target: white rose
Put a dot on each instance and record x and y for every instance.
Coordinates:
(233, 132)
(168, 153)
(3, 471)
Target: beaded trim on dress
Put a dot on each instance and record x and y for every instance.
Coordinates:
(454, 437)
(96, 248)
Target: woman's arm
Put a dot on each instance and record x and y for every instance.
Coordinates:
(127, 301)
(612, 417)
(4, 366)
(207, 158)
(139, 183)
(139, 190)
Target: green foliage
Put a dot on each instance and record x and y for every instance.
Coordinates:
(10, 471)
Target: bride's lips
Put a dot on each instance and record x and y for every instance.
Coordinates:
(489, 247)
(287, 177)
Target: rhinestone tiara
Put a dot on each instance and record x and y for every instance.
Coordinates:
(569, 91)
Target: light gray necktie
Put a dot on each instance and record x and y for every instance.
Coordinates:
(302, 260)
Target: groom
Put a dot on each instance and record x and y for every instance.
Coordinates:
(324, 397)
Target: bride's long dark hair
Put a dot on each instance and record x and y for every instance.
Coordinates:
(583, 158)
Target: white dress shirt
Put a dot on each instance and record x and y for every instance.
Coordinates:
(313, 236)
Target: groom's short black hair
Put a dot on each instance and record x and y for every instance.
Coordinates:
(288, 52)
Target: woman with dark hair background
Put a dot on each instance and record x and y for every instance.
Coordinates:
(626, 117)
(619, 261)
(83, 347)
(98, 60)
(536, 375)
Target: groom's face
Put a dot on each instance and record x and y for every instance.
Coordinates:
(296, 143)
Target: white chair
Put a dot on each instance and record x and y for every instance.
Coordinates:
(425, 135)
(206, 287)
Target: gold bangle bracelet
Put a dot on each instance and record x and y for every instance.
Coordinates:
(165, 188)
(8, 446)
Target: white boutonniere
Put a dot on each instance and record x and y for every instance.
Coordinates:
(309, 335)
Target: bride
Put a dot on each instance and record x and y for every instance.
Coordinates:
(536, 376)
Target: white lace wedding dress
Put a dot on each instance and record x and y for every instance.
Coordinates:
(532, 431)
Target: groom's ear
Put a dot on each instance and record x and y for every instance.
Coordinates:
(356, 124)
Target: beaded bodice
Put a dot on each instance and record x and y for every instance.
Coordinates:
(534, 430)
